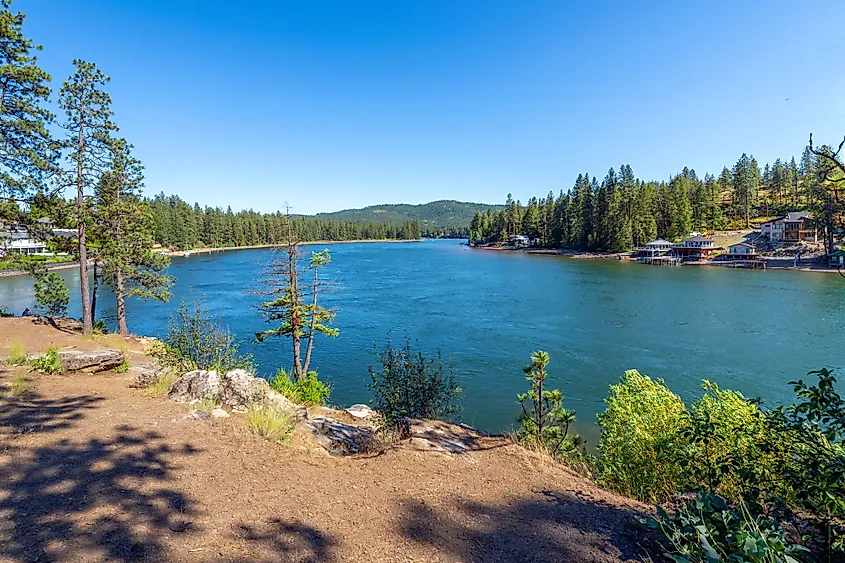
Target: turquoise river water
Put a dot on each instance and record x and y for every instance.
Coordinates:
(749, 330)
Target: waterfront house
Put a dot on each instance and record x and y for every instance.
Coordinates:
(696, 248)
(795, 226)
(659, 245)
(17, 240)
(743, 251)
(837, 259)
(518, 240)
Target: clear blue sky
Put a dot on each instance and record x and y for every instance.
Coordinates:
(335, 104)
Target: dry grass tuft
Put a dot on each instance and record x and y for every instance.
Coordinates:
(162, 385)
(270, 423)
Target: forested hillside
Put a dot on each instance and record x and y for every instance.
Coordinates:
(438, 218)
(622, 212)
(182, 226)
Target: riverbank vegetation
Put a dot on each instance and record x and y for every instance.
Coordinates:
(737, 475)
(623, 212)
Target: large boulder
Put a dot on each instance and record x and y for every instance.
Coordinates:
(443, 437)
(195, 386)
(144, 375)
(339, 438)
(236, 389)
(241, 389)
(90, 360)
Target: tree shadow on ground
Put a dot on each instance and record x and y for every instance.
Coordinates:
(545, 526)
(37, 414)
(103, 499)
(286, 541)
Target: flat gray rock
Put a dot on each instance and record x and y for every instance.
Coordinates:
(90, 360)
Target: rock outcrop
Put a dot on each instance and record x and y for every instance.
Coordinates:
(144, 375)
(196, 385)
(362, 412)
(339, 438)
(236, 389)
(90, 360)
(443, 437)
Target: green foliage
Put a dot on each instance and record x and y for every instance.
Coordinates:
(123, 367)
(729, 447)
(814, 468)
(308, 390)
(639, 426)
(26, 157)
(48, 362)
(51, 294)
(18, 356)
(708, 529)
(20, 386)
(545, 423)
(197, 341)
(161, 386)
(270, 422)
(100, 327)
(182, 226)
(409, 384)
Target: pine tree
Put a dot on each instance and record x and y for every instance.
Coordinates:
(125, 227)
(89, 127)
(746, 181)
(26, 148)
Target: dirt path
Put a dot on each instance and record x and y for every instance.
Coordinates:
(91, 470)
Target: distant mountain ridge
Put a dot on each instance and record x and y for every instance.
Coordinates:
(444, 214)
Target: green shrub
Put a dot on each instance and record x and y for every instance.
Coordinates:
(48, 362)
(411, 385)
(123, 367)
(197, 341)
(18, 355)
(51, 294)
(815, 465)
(639, 434)
(545, 424)
(708, 529)
(270, 422)
(308, 391)
(100, 327)
(729, 446)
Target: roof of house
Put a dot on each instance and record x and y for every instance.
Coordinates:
(46, 221)
(797, 215)
(840, 252)
(748, 244)
(698, 238)
(657, 242)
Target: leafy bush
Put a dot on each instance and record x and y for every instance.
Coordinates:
(545, 423)
(196, 341)
(48, 362)
(18, 355)
(100, 327)
(411, 385)
(123, 367)
(308, 391)
(51, 294)
(639, 426)
(814, 468)
(708, 529)
(729, 446)
(270, 422)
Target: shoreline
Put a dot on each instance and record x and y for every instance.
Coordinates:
(49, 268)
(626, 256)
(185, 253)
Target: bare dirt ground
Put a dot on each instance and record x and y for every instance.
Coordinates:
(91, 470)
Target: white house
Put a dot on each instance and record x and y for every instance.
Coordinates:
(742, 250)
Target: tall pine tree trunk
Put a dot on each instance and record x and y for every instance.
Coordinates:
(120, 290)
(95, 292)
(87, 323)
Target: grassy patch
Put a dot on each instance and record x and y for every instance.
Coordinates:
(48, 362)
(123, 367)
(18, 355)
(308, 391)
(206, 405)
(162, 385)
(20, 386)
(270, 423)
